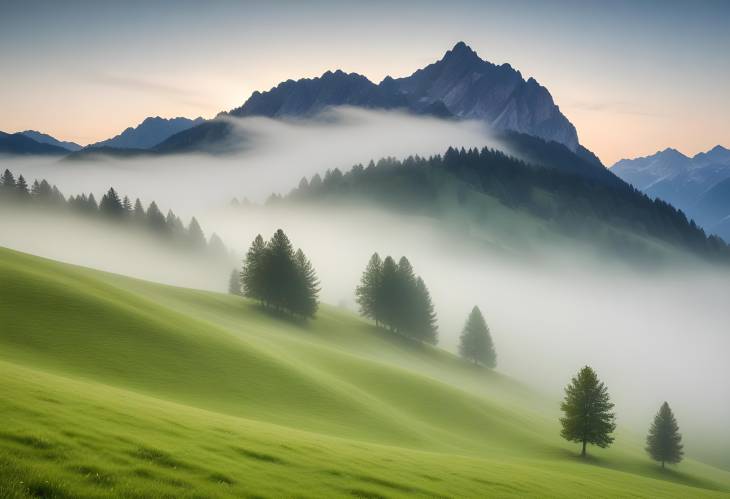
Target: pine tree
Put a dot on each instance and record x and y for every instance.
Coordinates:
(234, 283)
(280, 271)
(367, 293)
(8, 181)
(91, 203)
(252, 274)
(155, 219)
(196, 238)
(139, 215)
(388, 297)
(587, 406)
(424, 326)
(126, 206)
(216, 246)
(21, 187)
(307, 286)
(111, 205)
(475, 342)
(664, 442)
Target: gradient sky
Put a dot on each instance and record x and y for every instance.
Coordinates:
(634, 77)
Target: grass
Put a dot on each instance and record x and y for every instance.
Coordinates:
(117, 387)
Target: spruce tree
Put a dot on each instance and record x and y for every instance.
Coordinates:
(280, 271)
(475, 342)
(252, 273)
(126, 206)
(234, 283)
(91, 203)
(367, 293)
(587, 406)
(8, 181)
(139, 216)
(425, 327)
(307, 286)
(21, 187)
(664, 442)
(388, 297)
(155, 219)
(196, 238)
(111, 205)
(216, 246)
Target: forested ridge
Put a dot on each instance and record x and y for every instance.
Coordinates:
(573, 204)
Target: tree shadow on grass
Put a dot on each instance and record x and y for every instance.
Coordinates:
(648, 469)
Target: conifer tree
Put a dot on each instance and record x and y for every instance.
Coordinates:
(155, 219)
(21, 187)
(91, 203)
(111, 205)
(307, 289)
(587, 406)
(7, 181)
(475, 342)
(424, 325)
(252, 274)
(234, 283)
(279, 270)
(139, 215)
(216, 246)
(127, 206)
(388, 297)
(369, 289)
(196, 238)
(664, 442)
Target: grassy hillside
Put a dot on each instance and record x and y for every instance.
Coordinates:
(113, 386)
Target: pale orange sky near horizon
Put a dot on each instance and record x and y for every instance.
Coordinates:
(632, 79)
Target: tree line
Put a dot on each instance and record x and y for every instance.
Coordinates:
(112, 207)
(589, 419)
(571, 203)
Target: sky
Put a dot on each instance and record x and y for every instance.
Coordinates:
(634, 77)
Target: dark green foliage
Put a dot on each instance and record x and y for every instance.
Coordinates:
(234, 283)
(475, 342)
(587, 406)
(366, 292)
(664, 442)
(279, 277)
(112, 206)
(393, 296)
(570, 202)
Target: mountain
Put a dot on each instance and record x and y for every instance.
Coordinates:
(47, 139)
(459, 85)
(697, 185)
(18, 143)
(473, 88)
(149, 133)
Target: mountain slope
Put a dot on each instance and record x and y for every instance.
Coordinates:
(149, 133)
(113, 386)
(18, 143)
(44, 138)
(459, 85)
(691, 184)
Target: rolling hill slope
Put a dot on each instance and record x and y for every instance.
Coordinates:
(114, 386)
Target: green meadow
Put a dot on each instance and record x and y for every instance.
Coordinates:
(111, 386)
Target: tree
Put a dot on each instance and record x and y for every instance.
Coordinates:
(111, 205)
(307, 286)
(127, 206)
(252, 278)
(21, 187)
(370, 286)
(588, 418)
(8, 181)
(234, 283)
(279, 271)
(388, 295)
(475, 342)
(216, 246)
(138, 215)
(155, 219)
(196, 238)
(424, 316)
(664, 442)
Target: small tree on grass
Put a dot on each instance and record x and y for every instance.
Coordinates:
(664, 442)
(369, 288)
(475, 343)
(587, 406)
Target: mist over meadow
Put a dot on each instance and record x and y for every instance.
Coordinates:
(552, 306)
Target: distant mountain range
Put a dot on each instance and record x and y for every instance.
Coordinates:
(21, 144)
(698, 185)
(149, 133)
(460, 85)
(44, 138)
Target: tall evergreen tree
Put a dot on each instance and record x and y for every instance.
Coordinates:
(21, 187)
(127, 206)
(424, 324)
(369, 289)
(155, 219)
(664, 442)
(196, 238)
(252, 274)
(7, 181)
(388, 297)
(280, 271)
(216, 246)
(587, 406)
(475, 342)
(307, 289)
(139, 215)
(91, 203)
(111, 205)
(234, 283)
